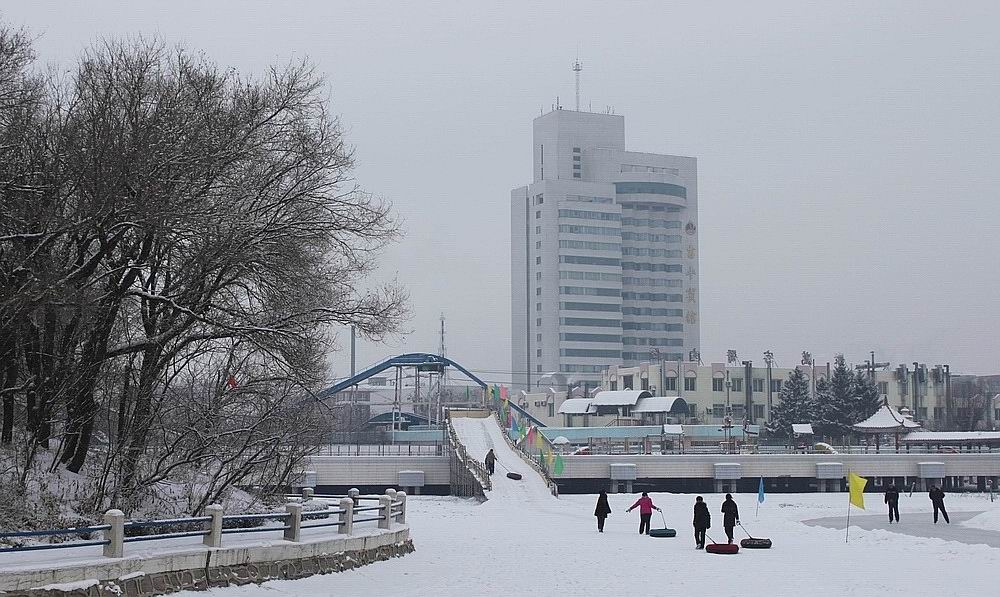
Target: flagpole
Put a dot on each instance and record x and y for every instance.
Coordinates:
(848, 529)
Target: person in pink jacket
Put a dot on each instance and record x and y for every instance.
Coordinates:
(646, 507)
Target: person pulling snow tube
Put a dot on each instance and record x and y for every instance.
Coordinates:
(664, 532)
(752, 542)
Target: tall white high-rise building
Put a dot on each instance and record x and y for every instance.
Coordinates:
(604, 253)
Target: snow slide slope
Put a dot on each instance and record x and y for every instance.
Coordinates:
(478, 436)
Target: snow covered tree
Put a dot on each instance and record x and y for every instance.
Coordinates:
(835, 400)
(794, 405)
(867, 399)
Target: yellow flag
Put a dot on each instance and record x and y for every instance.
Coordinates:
(856, 485)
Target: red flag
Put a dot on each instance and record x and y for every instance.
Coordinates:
(231, 382)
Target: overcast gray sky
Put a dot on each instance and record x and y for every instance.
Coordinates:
(847, 151)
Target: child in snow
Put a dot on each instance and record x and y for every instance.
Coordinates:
(646, 507)
(702, 522)
(892, 500)
(602, 510)
(937, 499)
(731, 515)
(491, 460)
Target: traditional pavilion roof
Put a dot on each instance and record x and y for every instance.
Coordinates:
(887, 419)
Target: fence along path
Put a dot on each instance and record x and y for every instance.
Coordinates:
(478, 436)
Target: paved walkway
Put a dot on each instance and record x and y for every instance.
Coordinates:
(918, 525)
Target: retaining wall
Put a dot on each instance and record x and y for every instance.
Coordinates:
(202, 568)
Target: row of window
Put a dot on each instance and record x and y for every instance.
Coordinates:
(599, 230)
(591, 322)
(586, 260)
(588, 352)
(589, 245)
(597, 276)
(631, 341)
(656, 169)
(590, 307)
(647, 252)
(581, 368)
(574, 337)
(589, 199)
(644, 356)
(652, 282)
(650, 188)
(651, 223)
(650, 207)
(651, 267)
(653, 296)
(739, 410)
(589, 215)
(586, 291)
(653, 327)
(653, 312)
(651, 237)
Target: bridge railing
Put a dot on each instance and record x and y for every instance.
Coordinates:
(468, 476)
(116, 532)
(540, 465)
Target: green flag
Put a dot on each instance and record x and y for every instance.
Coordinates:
(558, 468)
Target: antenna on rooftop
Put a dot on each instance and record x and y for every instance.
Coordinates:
(577, 67)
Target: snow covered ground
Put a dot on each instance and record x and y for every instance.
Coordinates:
(525, 542)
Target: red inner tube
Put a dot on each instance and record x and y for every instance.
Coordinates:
(722, 548)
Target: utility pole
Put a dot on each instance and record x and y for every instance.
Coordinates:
(577, 67)
(769, 360)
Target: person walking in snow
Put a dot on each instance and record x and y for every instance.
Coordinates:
(491, 461)
(702, 522)
(937, 498)
(602, 510)
(892, 500)
(646, 507)
(731, 515)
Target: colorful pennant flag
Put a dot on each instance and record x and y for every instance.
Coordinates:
(760, 491)
(559, 466)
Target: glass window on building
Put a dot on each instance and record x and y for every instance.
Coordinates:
(718, 384)
(737, 384)
(690, 383)
(738, 412)
(758, 411)
(883, 388)
(718, 410)
(758, 385)
(552, 409)
(614, 386)
(538, 291)
(644, 383)
(627, 382)
(538, 260)
(670, 384)
(538, 306)
(776, 385)
(538, 215)
(922, 412)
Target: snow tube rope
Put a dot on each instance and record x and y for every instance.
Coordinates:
(752, 542)
(510, 474)
(665, 531)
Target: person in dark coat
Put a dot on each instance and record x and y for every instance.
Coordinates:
(731, 515)
(602, 510)
(491, 461)
(892, 500)
(937, 498)
(702, 522)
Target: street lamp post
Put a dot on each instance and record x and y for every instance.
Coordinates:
(727, 421)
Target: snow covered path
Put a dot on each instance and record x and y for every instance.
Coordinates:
(918, 525)
(478, 436)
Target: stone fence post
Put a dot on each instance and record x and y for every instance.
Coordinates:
(354, 493)
(346, 516)
(385, 511)
(307, 493)
(214, 526)
(115, 536)
(401, 498)
(293, 532)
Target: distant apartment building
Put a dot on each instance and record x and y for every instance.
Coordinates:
(604, 253)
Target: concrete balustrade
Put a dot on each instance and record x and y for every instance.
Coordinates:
(293, 528)
(214, 526)
(346, 516)
(385, 512)
(401, 515)
(115, 536)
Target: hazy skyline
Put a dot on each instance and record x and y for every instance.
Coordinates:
(847, 179)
